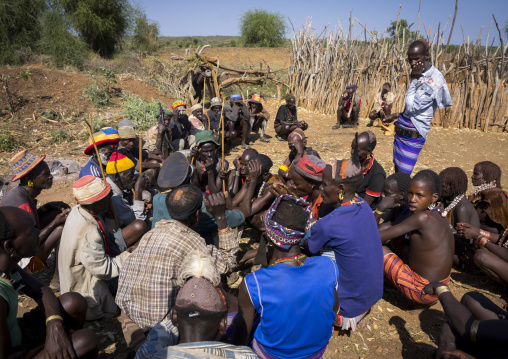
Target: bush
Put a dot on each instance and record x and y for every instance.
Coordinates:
(7, 142)
(56, 41)
(99, 92)
(98, 95)
(140, 112)
(60, 136)
(261, 28)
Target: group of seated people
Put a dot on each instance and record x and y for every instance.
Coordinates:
(178, 130)
(156, 240)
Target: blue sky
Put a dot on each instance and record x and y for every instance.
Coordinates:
(201, 17)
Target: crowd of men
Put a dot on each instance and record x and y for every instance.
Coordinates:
(155, 235)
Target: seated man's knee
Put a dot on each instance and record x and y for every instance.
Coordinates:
(373, 115)
(140, 226)
(85, 343)
(75, 307)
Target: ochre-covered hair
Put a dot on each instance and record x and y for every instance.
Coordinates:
(456, 178)
(491, 172)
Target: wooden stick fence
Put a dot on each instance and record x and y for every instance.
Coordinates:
(321, 66)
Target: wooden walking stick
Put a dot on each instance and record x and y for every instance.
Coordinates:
(140, 156)
(89, 125)
(223, 135)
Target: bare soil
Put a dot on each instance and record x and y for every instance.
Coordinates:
(395, 328)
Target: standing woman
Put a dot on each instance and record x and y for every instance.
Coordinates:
(426, 92)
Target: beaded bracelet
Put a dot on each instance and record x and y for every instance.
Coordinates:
(485, 233)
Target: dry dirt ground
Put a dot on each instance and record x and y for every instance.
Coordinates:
(395, 328)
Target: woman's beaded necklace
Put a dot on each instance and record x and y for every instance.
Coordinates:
(300, 259)
(452, 205)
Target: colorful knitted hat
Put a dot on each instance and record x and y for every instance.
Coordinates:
(90, 189)
(281, 236)
(236, 97)
(311, 167)
(205, 136)
(126, 132)
(23, 162)
(178, 104)
(255, 98)
(118, 163)
(105, 135)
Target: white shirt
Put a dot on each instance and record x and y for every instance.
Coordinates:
(423, 97)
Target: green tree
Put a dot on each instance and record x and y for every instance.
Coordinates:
(403, 25)
(146, 34)
(101, 23)
(58, 41)
(261, 28)
(19, 28)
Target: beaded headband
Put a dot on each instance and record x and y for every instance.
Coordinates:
(281, 236)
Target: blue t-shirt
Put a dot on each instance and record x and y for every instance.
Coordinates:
(351, 232)
(91, 168)
(206, 224)
(295, 305)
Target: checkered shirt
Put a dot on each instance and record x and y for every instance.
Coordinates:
(147, 286)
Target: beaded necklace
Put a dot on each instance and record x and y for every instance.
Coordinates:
(452, 205)
(262, 188)
(484, 186)
(300, 259)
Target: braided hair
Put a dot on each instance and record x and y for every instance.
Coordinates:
(430, 177)
(402, 179)
(291, 215)
(491, 172)
(456, 178)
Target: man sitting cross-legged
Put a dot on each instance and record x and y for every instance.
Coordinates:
(297, 143)
(431, 244)
(286, 120)
(297, 311)
(90, 257)
(147, 288)
(198, 320)
(349, 109)
(382, 105)
(43, 332)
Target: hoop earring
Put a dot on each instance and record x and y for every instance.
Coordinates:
(341, 197)
(31, 183)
